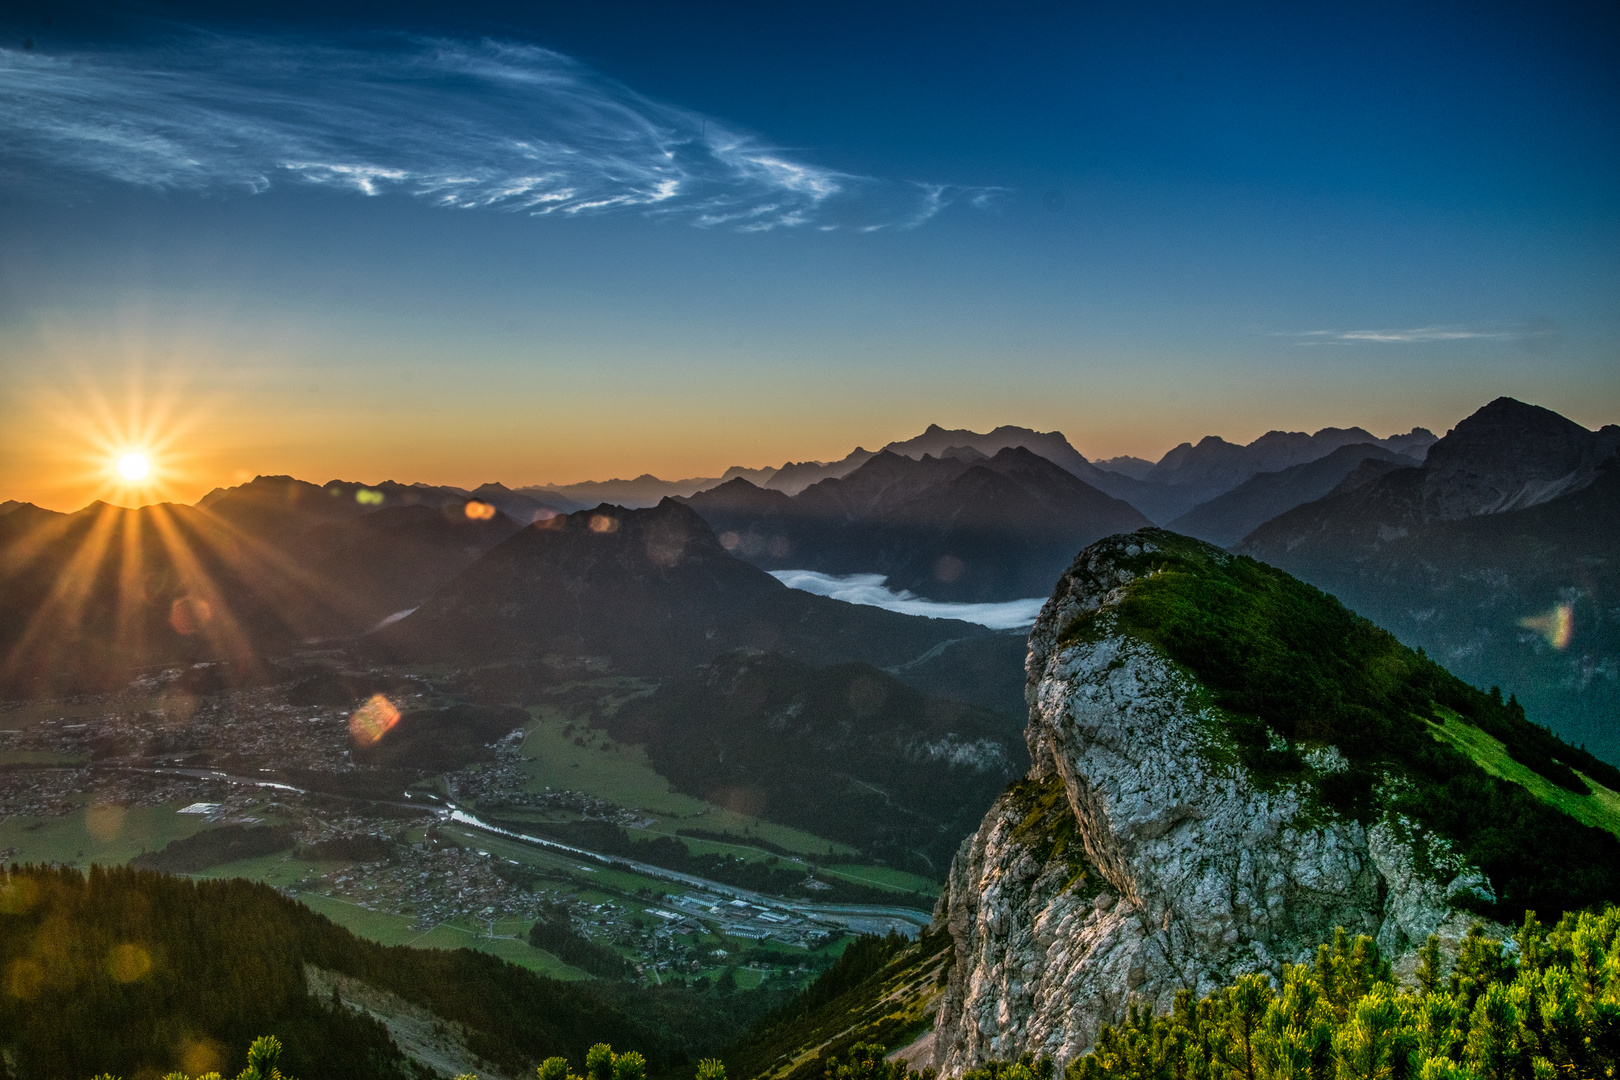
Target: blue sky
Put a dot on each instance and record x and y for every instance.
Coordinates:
(532, 242)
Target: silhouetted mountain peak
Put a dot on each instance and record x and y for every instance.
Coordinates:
(1510, 455)
(739, 495)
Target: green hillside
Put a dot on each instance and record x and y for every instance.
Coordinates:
(1288, 669)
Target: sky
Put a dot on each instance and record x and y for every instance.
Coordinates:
(536, 242)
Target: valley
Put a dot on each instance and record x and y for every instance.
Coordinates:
(443, 860)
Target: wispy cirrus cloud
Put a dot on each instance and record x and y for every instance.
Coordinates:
(469, 125)
(1413, 335)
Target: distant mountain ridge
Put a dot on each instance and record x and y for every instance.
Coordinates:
(1212, 467)
(961, 528)
(654, 591)
(1228, 518)
(87, 598)
(1185, 477)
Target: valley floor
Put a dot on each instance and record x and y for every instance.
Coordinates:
(111, 779)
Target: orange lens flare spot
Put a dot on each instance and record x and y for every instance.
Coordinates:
(201, 1056)
(25, 978)
(601, 523)
(104, 821)
(189, 615)
(479, 511)
(18, 895)
(128, 963)
(372, 720)
(133, 466)
(1557, 625)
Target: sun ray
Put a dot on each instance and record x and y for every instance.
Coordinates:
(63, 608)
(130, 632)
(214, 619)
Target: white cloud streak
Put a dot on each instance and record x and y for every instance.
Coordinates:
(1415, 335)
(467, 125)
(870, 589)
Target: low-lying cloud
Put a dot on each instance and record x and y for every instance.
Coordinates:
(870, 589)
(468, 125)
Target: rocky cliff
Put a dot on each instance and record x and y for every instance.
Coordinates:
(1173, 833)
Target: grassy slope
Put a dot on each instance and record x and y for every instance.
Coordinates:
(1287, 668)
(1600, 809)
(890, 1004)
(622, 774)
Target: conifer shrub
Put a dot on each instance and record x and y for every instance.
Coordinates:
(1546, 1007)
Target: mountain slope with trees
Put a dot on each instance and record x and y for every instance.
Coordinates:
(1500, 556)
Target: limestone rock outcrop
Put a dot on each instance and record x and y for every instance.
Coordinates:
(1190, 871)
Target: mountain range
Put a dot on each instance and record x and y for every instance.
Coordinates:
(959, 527)
(1186, 476)
(654, 591)
(1228, 518)
(1493, 550)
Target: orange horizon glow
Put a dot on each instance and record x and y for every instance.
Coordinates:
(61, 446)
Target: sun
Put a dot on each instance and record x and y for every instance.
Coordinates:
(133, 466)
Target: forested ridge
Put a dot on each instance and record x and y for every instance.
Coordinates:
(121, 970)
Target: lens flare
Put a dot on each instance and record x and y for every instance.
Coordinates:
(201, 1055)
(104, 820)
(1557, 625)
(128, 963)
(601, 523)
(372, 720)
(479, 511)
(190, 615)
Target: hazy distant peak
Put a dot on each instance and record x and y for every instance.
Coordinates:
(794, 476)
(754, 476)
(1126, 465)
(1414, 443)
(1215, 466)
